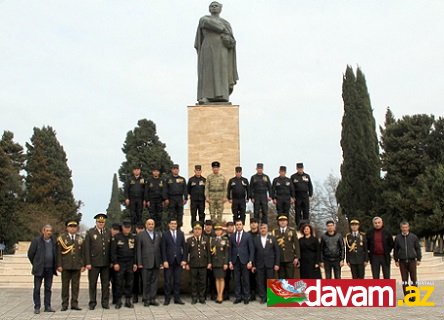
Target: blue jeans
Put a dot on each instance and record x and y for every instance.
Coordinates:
(48, 274)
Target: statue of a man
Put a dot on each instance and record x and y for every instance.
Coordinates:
(216, 51)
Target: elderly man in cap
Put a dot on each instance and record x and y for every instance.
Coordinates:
(123, 258)
(198, 257)
(134, 192)
(303, 189)
(356, 250)
(175, 194)
(238, 194)
(260, 193)
(97, 260)
(42, 255)
(196, 191)
(290, 253)
(282, 192)
(215, 192)
(70, 262)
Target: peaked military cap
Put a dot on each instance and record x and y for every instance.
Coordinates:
(100, 217)
(215, 164)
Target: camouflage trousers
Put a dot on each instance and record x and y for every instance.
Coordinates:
(216, 208)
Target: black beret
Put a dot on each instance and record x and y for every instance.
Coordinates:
(299, 165)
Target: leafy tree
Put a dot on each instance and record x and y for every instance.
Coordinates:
(48, 182)
(360, 169)
(11, 189)
(143, 146)
(114, 211)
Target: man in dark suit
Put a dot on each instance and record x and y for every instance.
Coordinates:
(266, 260)
(379, 243)
(149, 260)
(42, 255)
(241, 260)
(97, 260)
(173, 247)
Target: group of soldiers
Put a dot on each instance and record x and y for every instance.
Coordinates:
(173, 192)
(212, 255)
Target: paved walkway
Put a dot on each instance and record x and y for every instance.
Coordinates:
(17, 304)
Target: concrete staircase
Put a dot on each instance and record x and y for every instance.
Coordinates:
(15, 270)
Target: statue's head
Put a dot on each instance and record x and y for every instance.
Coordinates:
(215, 7)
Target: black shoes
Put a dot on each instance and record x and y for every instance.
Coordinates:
(135, 299)
(64, 309)
(105, 306)
(154, 303)
(237, 301)
(36, 311)
(193, 301)
(76, 308)
(128, 303)
(202, 301)
(49, 309)
(178, 301)
(118, 305)
(166, 302)
(146, 304)
(246, 301)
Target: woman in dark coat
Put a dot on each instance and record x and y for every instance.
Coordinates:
(310, 254)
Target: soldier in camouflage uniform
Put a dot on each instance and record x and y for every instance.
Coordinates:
(288, 242)
(215, 192)
(70, 255)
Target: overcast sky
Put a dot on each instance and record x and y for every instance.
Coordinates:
(92, 69)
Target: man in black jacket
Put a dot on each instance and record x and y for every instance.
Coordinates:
(379, 244)
(407, 255)
(175, 194)
(154, 196)
(42, 255)
(266, 260)
(260, 193)
(303, 189)
(238, 193)
(134, 194)
(196, 191)
(332, 251)
(173, 248)
(282, 192)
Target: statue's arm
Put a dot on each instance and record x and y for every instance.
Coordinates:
(213, 25)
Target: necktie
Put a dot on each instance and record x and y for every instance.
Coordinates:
(282, 230)
(101, 231)
(238, 238)
(174, 236)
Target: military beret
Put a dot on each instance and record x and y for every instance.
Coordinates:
(208, 222)
(238, 169)
(175, 166)
(71, 222)
(115, 226)
(126, 223)
(101, 217)
(354, 221)
(299, 165)
(197, 225)
(282, 217)
(215, 164)
(253, 220)
(198, 167)
(283, 168)
(260, 166)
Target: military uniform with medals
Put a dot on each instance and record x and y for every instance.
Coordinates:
(282, 191)
(303, 189)
(220, 253)
(260, 188)
(135, 191)
(196, 190)
(356, 253)
(70, 257)
(154, 195)
(175, 191)
(289, 250)
(238, 191)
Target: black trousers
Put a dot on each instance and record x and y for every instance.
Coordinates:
(286, 270)
(408, 267)
(211, 284)
(113, 282)
(198, 287)
(261, 208)
(262, 275)
(150, 278)
(197, 209)
(48, 274)
(242, 278)
(70, 277)
(302, 209)
(137, 283)
(334, 266)
(93, 275)
(136, 209)
(283, 205)
(228, 277)
(238, 208)
(378, 263)
(253, 285)
(172, 277)
(175, 209)
(124, 281)
(357, 271)
(155, 211)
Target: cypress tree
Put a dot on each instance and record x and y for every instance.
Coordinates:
(48, 182)
(143, 146)
(11, 189)
(114, 211)
(360, 169)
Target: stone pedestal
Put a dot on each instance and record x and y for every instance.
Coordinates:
(213, 135)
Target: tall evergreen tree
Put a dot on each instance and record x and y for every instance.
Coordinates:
(48, 181)
(143, 146)
(114, 211)
(360, 169)
(11, 188)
